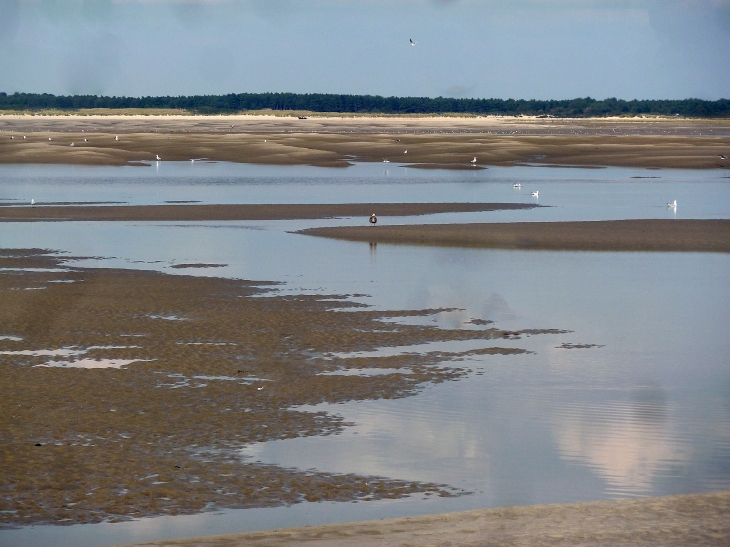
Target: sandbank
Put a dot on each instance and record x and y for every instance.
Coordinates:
(182, 212)
(612, 235)
(671, 521)
(337, 141)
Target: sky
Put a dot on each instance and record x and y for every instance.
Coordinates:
(521, 49)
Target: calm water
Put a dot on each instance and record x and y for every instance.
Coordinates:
(647, 413)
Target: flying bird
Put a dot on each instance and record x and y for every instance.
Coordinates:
(412, 42)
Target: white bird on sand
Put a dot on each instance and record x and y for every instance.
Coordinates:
(260, 388)
(32, 201)
(672, 205)
(23, 137)
(517, 185)
(474, 160)
(158, 157)
(72, 144)
(536, 193)
(49, 138)
(386, 160)
(86, 140)
(412, 42)
(720, 156)
(405, 152)
(116, 137)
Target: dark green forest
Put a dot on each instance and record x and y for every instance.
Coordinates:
(374, 104)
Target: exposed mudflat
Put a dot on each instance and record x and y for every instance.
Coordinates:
(609, 235)
(129, 393)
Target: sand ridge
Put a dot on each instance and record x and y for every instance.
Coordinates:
(611, 235)
(229, 212)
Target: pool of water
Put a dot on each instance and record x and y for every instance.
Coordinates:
(643, 410)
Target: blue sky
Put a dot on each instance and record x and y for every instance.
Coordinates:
(661, 49)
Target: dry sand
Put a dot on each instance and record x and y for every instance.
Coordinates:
(614, 235)
(42, 212)
(672, 521)
(447, 142)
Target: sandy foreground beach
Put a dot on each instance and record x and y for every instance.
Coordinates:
(672, 521)
(614, 235)
(444, 142)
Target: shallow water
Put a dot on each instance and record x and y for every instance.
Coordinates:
(646, 411)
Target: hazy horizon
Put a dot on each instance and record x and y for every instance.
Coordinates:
(523, 49)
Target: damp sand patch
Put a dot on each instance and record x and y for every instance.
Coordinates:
(162, 434)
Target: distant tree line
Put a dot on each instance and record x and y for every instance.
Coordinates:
(373, 104)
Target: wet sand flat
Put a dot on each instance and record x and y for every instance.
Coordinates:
(241, 211)
(672, 521)
(613, 235)
(337, 141)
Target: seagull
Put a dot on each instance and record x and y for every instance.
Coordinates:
(116, 137)
(405, 152)
(72, 144)
(412, 42)
(672, 205)
(720, 156)
(158, 157)
(86, 140)
(474, 161)
(536, 193)
(23, 137)
(32, 201)
(49, 138)
(517, 185)
(260, 388)
(386, 160)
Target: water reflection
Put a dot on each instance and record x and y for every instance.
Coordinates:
(628, 441)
